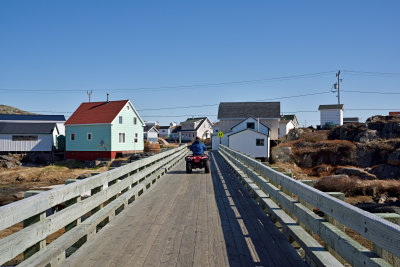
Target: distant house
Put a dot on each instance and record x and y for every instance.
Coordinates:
(196, 127)
(331, 114)
(150, 133)
(350, 120)
(268, 113)
(287, 123)
(249, 136)
(59, 120)
(394, 113)
(104, 130)
(165, 131)
(28, 137)
(151, 123)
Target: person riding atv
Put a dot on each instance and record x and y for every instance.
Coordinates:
(198, 160)
(198, 147)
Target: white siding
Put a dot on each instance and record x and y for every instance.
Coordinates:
(216, 141)
(44, 143)
(273, 124)
(284, 128)
(334, 116)
(245, 142)
(152, 136)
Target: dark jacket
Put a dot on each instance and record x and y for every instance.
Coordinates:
(198, 148)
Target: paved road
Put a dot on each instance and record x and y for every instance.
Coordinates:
(190, 220)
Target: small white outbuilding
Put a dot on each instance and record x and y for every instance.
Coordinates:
(331, 114)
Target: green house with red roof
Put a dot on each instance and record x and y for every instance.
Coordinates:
(104, 130)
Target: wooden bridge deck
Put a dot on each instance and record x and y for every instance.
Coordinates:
(190, 220)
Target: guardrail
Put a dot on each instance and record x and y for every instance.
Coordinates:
(81, 218)
(290, 203)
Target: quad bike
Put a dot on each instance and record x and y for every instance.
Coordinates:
(197, 162)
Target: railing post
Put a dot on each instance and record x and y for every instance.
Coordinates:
(41, 216)
(389, 257)
(70, 202)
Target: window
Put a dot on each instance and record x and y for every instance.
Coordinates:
(89, 136)
(24, 137)
(121, 138)
(250, 125)
(136, 137)
(135, 121)
(127, 107)
(72, 137)
(120, 119)
(259, 142)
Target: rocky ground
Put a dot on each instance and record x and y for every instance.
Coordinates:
(358, 159)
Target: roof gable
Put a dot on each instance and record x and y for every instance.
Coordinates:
(240, 110)
(242, 131)
(150, 128)
(96, 112)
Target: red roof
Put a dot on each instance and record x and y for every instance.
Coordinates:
(394, 113)
(96, 112)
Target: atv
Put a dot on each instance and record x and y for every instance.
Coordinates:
(197, 162)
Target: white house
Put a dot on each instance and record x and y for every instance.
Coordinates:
(196, 127)
(59, 120)
(150, 134)
(268, 113)
(27, 137)
(250, 142)
(249, 136)
(331, 114)
(287, 123)
(164, 131)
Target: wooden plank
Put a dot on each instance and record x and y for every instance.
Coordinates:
(319, 256)
(58, 247)
(379, 231)
(20, 210)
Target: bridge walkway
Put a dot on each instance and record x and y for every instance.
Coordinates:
(190, 220)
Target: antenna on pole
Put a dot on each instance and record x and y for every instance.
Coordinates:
(337, 85)
(89, 93)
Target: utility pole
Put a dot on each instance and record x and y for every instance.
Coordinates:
(337, 85)
(89, 94)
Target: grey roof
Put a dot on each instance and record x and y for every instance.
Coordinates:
(201, 119)
(288, 117)
(26, 128)
(241, 110)
(341, 106)
(32, 117)
(164, 127)
(352, 119)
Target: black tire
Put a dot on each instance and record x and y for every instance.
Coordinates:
(207, 167)
(188, 167)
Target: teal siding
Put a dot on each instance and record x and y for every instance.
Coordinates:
(101, 134)
(129, 129)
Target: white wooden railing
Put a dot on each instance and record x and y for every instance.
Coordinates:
(81, 218)
(289, 202)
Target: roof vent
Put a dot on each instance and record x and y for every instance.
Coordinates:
(107, 98)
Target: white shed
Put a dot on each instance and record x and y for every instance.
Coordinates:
(27, 137)
(150, 134)
(331, 114)
(251, 142)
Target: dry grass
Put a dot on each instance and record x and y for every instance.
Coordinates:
(356, 187)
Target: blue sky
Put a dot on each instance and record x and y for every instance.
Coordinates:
(52, 52)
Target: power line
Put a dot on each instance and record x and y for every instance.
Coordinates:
(216, 104)
(372, 73)
(243, 82)
(371, 92)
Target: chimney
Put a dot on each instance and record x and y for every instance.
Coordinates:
(107, 97)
